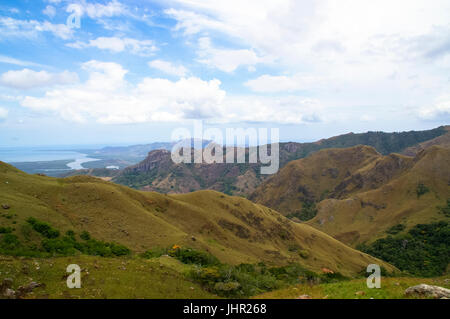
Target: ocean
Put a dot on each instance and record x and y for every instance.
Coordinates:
(16, 155)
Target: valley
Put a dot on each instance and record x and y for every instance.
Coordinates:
(310, 229)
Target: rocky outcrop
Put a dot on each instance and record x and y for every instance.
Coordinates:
(428, 291)
(7, 292)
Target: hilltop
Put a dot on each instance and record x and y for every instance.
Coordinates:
(233, 229)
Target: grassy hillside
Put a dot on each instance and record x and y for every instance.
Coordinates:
(413, 197)
(391, 288)
(233, 229)
(313, 178)
(158, 173)
(103, 278)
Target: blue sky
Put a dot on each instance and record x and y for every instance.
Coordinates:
(132, 71)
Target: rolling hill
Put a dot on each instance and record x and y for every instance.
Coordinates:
(233, 229)
(357, 194)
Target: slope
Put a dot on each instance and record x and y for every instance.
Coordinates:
(413, 197)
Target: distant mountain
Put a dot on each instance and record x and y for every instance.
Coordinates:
(132, 153)
(356, 194)
(233, 229)
(442, 140)
(158, 173)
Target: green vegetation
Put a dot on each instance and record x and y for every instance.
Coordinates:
(43, 228)
(385, 143)
(242, 280)
(446, 209)
(55, 245)
(5, 230)
(391, 288)
(110, 278)
(396, 229)
(185, 255)
(308, 211)
(246, 280)
(423, 251)
(421, 189)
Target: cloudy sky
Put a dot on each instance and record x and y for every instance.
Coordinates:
(117, 72)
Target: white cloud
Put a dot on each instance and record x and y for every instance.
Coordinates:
(9, 60)
(107, 97)
(10, 27)
(29, 79)
(98, 10)
(116, 45)
(283, 83)
(440, 108)
(346, 51)
(49, 11)
(282, 110)
(168, 68)
(3, 114)
(226, 60)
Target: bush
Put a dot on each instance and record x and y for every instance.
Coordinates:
(154, 253)
(308, 211)
(304, 253)
(421, 189)
(70, 233)
(9, 242)
(53, 245)
(85, 235)
(396, 229)
(60, 246)
(103, 249)
(446, 209)
(192, 256)
(246, 280)
(43, 228)
(5, 230)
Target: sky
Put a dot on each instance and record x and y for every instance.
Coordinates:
(123, 72)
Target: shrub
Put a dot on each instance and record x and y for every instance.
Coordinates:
(304, 253)
(421, 189)
(154, 253)
(119, 250)
(60, 246)
(70, 233)
(9, 242)
(85, 235)
(396, 229)
(192, 256)
(43, 228)
(5, 230)
(446, 209)
(308, 211)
